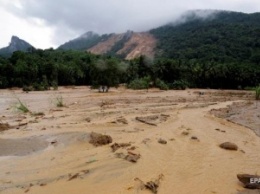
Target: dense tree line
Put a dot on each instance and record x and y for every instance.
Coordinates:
(45, 68)
(208, 74)
(42, 69)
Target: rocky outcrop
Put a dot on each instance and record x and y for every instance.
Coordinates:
(99, 139)
(16, 44)
(228, 146)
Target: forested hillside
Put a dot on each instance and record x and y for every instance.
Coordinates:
(222, 49)
(223, 37)
(219, 51)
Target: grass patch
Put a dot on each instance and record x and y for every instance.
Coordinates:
(22, 107)
(257, 93)
(59, 102)
(91, 161)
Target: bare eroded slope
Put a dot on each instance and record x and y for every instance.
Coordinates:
(132, 45)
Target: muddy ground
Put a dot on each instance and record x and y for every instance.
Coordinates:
(162, 141)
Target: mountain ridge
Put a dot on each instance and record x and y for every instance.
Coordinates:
(167, 39)
(16, 44)
(224, 37)
(194, 33)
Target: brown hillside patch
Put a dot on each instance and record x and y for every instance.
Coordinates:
(139, 44)
(104, 47)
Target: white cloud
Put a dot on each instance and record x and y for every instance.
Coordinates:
(52, 22)
(33, 30)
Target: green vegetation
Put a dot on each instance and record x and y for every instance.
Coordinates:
(161, 84)
(222, 51)
(224, 38)
(179, 85)
(59, 101)
(22, 107)
(83, 43)
(257, 93)
(219, 52)
(44, 69)
(138, 84)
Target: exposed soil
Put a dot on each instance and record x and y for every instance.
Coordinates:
(105, 46)
(137, 45)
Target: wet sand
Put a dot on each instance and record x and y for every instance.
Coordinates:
(243, 113)
(190, 162)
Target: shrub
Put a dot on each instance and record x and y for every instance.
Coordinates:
(41, 87)
(138, 84)
(38, 87)
(161, 84)
(59, 102)
(28, 88)
(249, 88)
(179, 85)
(54, 84)
(257, 93)
(22, 107)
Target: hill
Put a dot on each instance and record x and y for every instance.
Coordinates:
(200, 35)
(16, 44)
(127, 45)
(203, 49)
(83, 42)
(222, 36)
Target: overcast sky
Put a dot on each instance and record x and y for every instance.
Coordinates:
(49, 23)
